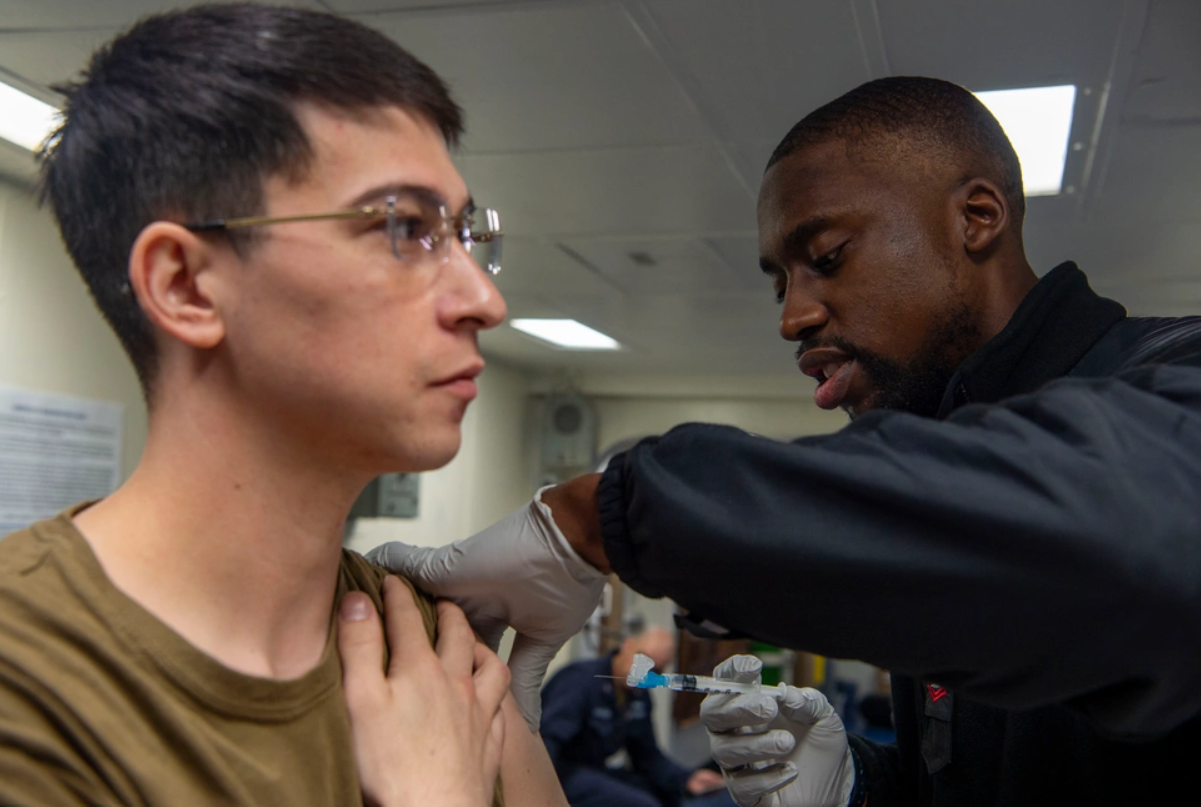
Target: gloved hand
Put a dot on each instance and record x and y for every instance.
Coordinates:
(519, 572)
(800, 738)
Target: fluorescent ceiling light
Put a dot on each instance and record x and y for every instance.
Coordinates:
(1038, 122)
(25, 120)
(566, 333)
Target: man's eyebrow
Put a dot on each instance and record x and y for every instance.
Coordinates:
(422, 192)
(795, 240)
(800, 235)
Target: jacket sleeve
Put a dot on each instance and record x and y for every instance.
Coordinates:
(1046, 549)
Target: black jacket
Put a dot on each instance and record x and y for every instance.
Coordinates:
(1036, 550)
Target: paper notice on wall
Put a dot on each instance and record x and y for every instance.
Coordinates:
(55, 450)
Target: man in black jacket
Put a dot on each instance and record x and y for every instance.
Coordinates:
(1010, 524)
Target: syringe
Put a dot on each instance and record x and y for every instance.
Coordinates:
(642, 677)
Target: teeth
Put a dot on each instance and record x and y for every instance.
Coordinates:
(832, 368)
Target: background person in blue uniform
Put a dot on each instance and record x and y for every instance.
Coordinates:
(601, 737)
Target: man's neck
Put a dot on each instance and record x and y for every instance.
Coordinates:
(229, 539)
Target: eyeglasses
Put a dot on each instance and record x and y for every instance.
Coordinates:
(419, 230)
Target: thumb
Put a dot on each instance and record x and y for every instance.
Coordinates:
(745, 669)
(361, 646)
(808, 707)
(725, 712)
(528, 662)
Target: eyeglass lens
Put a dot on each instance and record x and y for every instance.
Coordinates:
(420, 230)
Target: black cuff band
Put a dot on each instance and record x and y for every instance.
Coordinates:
(859, 789)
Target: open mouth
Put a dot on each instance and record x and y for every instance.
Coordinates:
(833, 370)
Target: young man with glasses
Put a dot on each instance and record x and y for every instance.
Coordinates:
(262, 203)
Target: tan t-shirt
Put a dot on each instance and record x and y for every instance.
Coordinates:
(101, 703)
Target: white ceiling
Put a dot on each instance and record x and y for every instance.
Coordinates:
(601, 128)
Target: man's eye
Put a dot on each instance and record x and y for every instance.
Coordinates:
(825, 264)
(411, 228)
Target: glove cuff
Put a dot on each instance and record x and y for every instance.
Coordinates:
(858, 796)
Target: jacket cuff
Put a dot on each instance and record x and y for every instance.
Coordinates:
(619, 544)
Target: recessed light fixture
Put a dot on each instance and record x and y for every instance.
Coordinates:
(25, 120)
(1038, 122)
(565, 333)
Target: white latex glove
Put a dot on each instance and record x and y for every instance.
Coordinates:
(520, 572)
(787, 753)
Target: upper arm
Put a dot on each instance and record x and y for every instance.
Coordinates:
(525, 768)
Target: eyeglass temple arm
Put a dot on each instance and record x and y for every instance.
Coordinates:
(255, 221)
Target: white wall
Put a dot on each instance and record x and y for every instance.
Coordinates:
(627, 417)
(52, 337)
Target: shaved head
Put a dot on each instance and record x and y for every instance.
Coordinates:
(917, 123)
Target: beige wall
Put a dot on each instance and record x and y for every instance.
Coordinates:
(52, 338)
(634, 416)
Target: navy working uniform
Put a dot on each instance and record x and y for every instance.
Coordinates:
(1027, 563)
(587, 721)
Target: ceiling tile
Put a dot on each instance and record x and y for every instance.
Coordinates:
(989, 46)
(661, 266)
(668, 190)
(1166, 85)
(741, 253)
(1153, 175)
(763, 64)
(534, 266)
(558, 77)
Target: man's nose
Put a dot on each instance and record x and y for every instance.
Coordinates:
(802, 316)
(471, 297)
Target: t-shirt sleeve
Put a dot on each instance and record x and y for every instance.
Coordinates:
(362, 575)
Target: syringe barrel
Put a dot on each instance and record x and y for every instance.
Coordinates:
(705, 683)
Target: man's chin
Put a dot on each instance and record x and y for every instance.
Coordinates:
(856, 409)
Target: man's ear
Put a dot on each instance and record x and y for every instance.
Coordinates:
(170, 271)
(985, 212)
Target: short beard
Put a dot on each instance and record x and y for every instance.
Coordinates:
(918, 387)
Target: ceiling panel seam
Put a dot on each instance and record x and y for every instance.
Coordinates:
(647, 25)
(871, 38)
(1104, 136)
(593, 268)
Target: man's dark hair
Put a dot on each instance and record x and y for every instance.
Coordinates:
(182, 118)
(927, 115)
